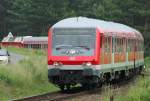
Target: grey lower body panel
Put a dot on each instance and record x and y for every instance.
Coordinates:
(73, 74)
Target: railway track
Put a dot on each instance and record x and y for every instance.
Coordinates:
(59, 96)
(75, 92)
(55, 96)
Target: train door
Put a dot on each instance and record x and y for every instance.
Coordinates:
(107, 50)
(116, 48)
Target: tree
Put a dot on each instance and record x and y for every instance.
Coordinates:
(34, 17)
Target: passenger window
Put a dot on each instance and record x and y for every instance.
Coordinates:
(107, 44)
(128, 45)
(120, 49)
(112, 45)
(116, 45)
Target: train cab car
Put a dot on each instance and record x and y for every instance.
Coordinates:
(89, 52)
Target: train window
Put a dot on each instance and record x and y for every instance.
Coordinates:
(78, 39)
(131, 45)
(128, 45)
(136, 46)
(116, 44)
(113, 44)
(107, 44)
(130, 42)
(123, 45)
(120, 46)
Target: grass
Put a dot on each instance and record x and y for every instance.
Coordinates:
(26, 78)
(140, 91)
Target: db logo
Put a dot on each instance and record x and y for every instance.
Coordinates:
(72, 58)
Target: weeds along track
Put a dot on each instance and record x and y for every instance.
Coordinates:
(77, 92)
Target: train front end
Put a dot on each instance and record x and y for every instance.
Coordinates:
(72, 54)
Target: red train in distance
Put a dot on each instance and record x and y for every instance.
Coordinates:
(90, 52)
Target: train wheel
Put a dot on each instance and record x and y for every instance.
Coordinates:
(94, 85)
(62, 87)
(85, 86)
(100, 84)
(68, 86)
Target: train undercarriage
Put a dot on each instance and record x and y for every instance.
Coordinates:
(65, 79)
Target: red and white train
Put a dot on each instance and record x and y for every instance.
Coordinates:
(89, 52)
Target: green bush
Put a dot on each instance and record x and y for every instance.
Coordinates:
(140, 91)
(26, 78)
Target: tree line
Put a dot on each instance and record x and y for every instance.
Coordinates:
(34, 17)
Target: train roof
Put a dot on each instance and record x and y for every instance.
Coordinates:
(103, 26)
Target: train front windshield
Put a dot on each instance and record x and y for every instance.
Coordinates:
(73, 42)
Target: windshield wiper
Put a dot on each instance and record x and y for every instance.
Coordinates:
(58, 47)
(84, 47)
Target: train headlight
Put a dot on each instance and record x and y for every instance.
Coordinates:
(56, 64)
(88, 64)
